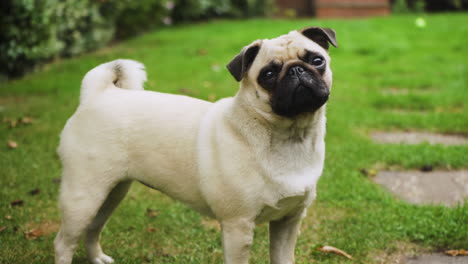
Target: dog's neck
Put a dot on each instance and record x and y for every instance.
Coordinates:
(304, 128)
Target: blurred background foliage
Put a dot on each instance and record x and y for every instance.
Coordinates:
(417, 6)
(37, 31)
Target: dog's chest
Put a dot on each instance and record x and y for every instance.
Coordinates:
(291, 184)
(283, 207)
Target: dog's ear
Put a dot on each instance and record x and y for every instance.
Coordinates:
(321, 36)
(241, 63)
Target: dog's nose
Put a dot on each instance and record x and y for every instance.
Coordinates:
(296, 70)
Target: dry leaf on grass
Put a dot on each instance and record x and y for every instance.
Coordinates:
(12, 144)
(27, 120)
(13, 123)
(457, 252)
(35, 191)
(151, 213)
(33, 234)
(212, 97)
(202, 52)
(2, 228)
(151, 230)
(186, 91)
(368, 172)
(330, 249)
(18, 202)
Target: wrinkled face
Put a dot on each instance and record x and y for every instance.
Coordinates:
(290, 73)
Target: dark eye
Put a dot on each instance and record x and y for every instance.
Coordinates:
(318, 61)
(269, 74)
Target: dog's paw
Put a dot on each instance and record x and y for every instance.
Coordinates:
(102, 259)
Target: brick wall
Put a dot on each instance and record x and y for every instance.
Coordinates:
(351, 8)
(336, 8)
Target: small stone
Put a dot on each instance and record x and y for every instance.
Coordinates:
(433, 187)
(403, 137)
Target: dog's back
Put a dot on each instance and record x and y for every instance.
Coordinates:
(124, 130)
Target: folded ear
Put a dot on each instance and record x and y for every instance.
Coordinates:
(320, 35)
(241, 63)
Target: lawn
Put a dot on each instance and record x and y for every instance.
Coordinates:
(388, 75)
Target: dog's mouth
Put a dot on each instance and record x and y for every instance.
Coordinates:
(295, 95)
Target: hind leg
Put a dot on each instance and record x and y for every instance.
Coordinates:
(81, 196)
(93, 232)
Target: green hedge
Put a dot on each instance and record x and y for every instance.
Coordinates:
(34, 31)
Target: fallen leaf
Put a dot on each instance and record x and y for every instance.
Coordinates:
(330, 249)
(12, 144)
(13, 123)
(35, 191)
(186, 91)
(151, 230)
(427, 168)
(212, 97)
(368, 173)
(2, 228)
(211, 224)
(202, 52)
(457, 252)
(18, 202)
(151, 213)
(27, 120)
(43, 228)
(33, 234)
(8, 217)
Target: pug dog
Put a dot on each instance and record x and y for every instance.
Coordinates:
(252, 158)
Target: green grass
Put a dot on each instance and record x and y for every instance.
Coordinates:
(351, 212)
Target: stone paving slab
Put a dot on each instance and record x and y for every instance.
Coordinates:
(435, 187)
(418, 138)
(437, 258)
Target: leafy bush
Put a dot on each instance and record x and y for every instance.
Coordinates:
(81, 26)
(408, 6)
(131, 17)
(33, 31)
(27, 34)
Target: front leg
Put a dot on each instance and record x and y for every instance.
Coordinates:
(237, 239)
(283, 236)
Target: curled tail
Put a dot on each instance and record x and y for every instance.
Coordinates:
(125, 74)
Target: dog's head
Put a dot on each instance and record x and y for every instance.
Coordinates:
(289, 74)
